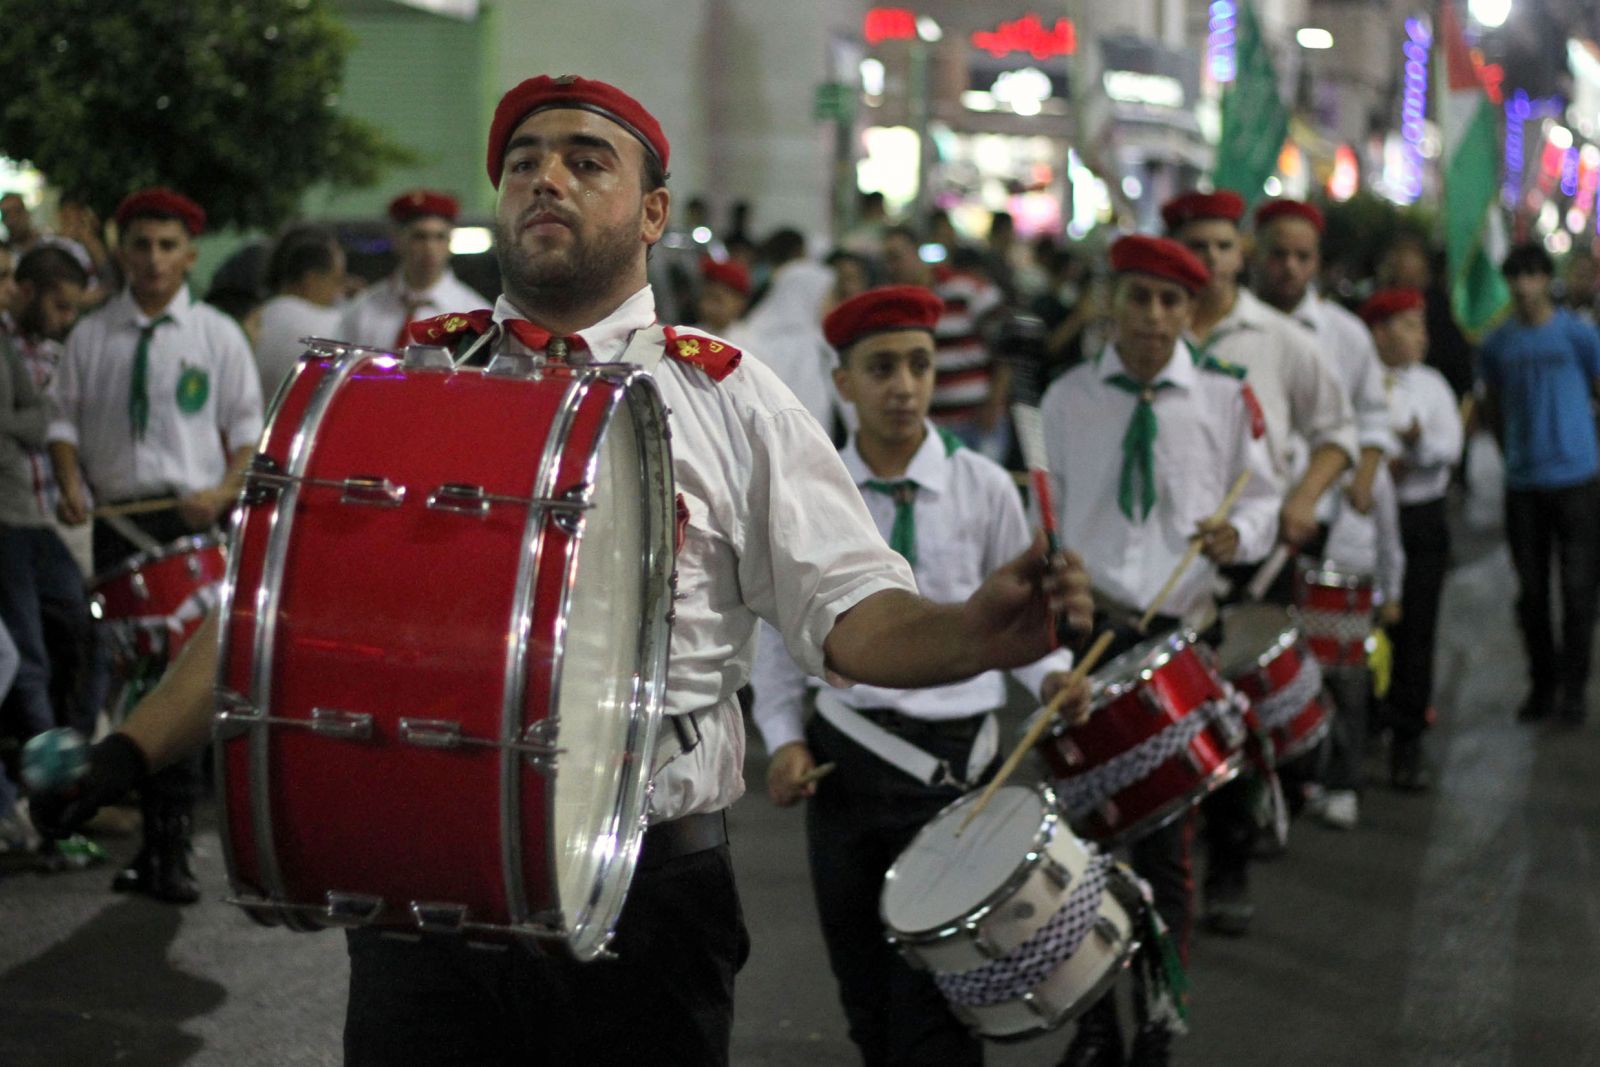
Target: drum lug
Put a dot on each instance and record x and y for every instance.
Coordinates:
(569, 511)
(352, 909)
(426, 357)
(438, 918)
(543, 734)
(1039, 1008)
(1056, 871)
(514, 365)
(263, 481)
(981, 941)
(1150, 700)
(371, 490)
(1107, 931)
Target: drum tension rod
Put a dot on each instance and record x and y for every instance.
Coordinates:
(446, 733)
(465, 499)
(264, 481)
(235, 713)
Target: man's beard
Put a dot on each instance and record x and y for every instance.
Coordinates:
(562, 284)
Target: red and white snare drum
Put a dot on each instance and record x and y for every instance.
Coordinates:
(157, 599)
(1022, 924)
(1263, 656)
(1335, 609)
(444, 647)
(1165, 730)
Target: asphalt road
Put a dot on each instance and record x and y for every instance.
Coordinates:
(1461, 928)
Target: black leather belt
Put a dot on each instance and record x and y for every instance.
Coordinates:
(666, 841)
(964, 729)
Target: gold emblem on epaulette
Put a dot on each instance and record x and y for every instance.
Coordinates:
(688, 347)
(455, 324)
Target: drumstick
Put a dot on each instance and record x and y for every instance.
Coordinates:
(1194, 550)
(136, 507)
(1029, 426)
(816, 774)
(1041, 723)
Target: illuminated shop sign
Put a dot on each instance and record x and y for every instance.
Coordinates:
(1134, 87)
(889, 24)
(1029, 35)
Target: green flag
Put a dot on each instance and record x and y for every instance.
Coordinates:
(1254, 120)
(1474, 235)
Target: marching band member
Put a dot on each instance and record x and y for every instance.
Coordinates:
(1188, 428)
(901, 756)
(724, 294)
(422, 285)
(1305, 408)
(1428, 424)
(773, 529)
(159, 397)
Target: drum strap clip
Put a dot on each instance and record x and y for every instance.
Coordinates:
(902, 754)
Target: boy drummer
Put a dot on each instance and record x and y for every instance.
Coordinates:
(955, 516)
(1188, 428)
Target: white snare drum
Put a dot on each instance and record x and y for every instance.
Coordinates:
(1023, 925)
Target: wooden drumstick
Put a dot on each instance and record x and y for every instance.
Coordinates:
(136, 507)
(1041, 723)
(1194, 550)
(816, 774)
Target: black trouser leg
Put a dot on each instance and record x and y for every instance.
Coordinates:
(1530, 536)
(1164, 859)
(1351, 690)
(1577, 531)
(1425, 534)
(863, 816)
(667, 997)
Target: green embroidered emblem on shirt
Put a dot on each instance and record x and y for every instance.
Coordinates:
(194, 386)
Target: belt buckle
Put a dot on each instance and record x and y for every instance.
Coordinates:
(943, 775)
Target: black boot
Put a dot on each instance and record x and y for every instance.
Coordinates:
(1406, 772)
(1152, 1046)
(1098, 1040)
(161, 869)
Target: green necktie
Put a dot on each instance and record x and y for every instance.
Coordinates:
(1139, 446)
(139, 388)
(903, 538)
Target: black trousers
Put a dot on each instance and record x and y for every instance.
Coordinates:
(1425, 535)
(666, 999)
(1562, 525)
(1351, 692)
(863, 816)
(174, 789)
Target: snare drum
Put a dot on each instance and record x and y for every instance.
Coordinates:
(444, 647)
(1164, 731)
(1023, 925)
(157, 599)
(1263, 656)
(1335, 609)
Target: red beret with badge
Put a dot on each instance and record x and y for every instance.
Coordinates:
(1290, 209)
(570, 91)
(1385, 304)
(1223, 204)
(159, 202)
(424, 203)
(729, 272)
(889, 307)
(1160, 257)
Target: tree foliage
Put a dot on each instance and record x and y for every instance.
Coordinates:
(233, 102)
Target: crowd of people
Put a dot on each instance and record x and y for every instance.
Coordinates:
(1195, 388)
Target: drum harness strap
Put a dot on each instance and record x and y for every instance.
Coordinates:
(902, 754)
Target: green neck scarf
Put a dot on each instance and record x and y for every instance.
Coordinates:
(1138, 447)
(903, 537)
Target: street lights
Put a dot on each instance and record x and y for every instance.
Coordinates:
(1490, 13)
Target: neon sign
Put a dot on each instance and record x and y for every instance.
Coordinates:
(1220, 48)
(1030, 35)
(889, 24)
(1414, 105)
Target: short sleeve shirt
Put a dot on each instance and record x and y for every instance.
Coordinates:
(1542, 376)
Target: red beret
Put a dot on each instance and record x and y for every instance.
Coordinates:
(1161, 257)
(159, 202)
(569, 90)
(1385, 304)
(890, 307)
(732, 273)
(1289, 209)
(1222, 204)
(423, 202)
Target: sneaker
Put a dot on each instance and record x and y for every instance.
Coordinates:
(16, 830)
(73, 853)
(1229, 909)
(1340, 809)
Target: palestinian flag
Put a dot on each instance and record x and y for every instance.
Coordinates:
(1474, 232)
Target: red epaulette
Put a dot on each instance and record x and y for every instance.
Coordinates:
(1258, 419)
(717, 358)
(444, 329)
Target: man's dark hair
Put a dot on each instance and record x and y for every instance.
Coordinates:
(653, 175)
(300, 250)
(783, 246)
(1528, 258)
(49, 266)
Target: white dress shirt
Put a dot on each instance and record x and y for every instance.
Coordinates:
(285, 321)
(1419, 393)
(180, 452)
(776, 531)
(374, 318)
(969, 521)
(1370, 544)
(1203, 442)
(1346, 343)
(1300, 396)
